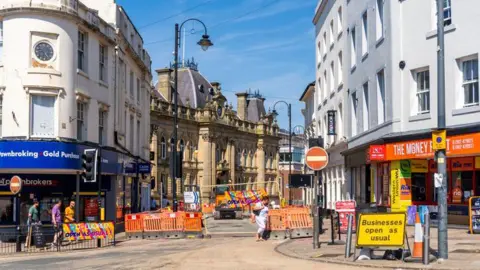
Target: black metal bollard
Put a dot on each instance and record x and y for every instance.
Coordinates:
(338, 226)
(18, 240)
(332, 227)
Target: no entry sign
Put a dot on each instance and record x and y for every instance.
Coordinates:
(317, 158)
(15, 184)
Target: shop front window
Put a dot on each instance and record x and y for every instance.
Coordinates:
(419, 187)
(6, 210)
(462, 186)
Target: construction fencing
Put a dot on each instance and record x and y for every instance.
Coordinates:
(291, 222)
(164, 224)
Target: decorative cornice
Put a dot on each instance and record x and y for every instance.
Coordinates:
(82, 97)
(103, 106)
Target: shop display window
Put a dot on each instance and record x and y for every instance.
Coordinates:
(477, 181)
(419, 187)
(462, 186)
(6, 210)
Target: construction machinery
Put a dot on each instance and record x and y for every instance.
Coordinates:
(224, 208)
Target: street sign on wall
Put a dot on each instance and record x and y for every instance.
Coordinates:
(15, 184)
(316, 158)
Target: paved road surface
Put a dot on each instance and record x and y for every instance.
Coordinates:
(215, 253)
(232, 227)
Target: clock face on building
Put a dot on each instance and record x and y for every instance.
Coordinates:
(44, 51)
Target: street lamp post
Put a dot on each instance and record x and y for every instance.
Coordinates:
(441, 126)
(304, 192)
(289, 145)
(204, 43)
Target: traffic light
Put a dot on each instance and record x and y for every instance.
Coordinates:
(89, 165)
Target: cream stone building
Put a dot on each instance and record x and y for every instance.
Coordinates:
(219, 145)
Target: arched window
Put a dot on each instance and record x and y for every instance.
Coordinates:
(271, 161)
(266, 159)
(217, 154)
(171, 144)
(182, 146)
(250, 160)
(244, 163)
(238, 159)
(163, 148)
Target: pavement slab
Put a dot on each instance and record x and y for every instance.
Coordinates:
(464, 252)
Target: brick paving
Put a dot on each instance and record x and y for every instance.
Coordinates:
(464, 252)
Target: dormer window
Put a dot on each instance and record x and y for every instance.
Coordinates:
(210, 90)
(200, 88)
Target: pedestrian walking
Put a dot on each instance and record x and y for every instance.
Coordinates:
(33, 220)
(259, 216)
(70, 213)
(57, 224)
(70, 216)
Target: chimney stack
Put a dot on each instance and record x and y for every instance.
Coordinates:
(164, 85)
(242, 105)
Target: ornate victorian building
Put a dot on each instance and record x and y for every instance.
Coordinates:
(219, 145)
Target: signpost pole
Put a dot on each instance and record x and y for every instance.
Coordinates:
(316, 160)
(315, 213)
(99, 180)
(77, 197)
(441, 155)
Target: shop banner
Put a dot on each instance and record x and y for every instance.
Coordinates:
(88, 230)
(50, 155)
(400, 187)
(462, 164)
(244, 197)
(468, 144)
(377, 152)
(419, 166)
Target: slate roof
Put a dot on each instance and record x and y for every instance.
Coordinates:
(255, 109)
(194, 87)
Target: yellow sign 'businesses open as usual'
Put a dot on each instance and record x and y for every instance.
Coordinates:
(381, 230)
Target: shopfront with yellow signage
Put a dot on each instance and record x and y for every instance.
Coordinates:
(412, 171)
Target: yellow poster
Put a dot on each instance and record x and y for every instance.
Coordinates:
(400, 187)
(419, 165)
(373, 186)
(381, 230)
(477, 162)
(395, 186)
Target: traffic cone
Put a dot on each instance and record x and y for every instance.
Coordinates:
(418, 242)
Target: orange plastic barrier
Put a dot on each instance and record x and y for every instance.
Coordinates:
(134, 223)
(193, 222)
(277, 220)
(208, 208)
(172, 222)
(296, 220)
(151, 223)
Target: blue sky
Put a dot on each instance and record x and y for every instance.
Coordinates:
(258, 44)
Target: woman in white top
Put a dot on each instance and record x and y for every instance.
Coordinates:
(260, 214)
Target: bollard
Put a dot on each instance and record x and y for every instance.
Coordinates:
(332, 228)
(426, 240)
(349, 236)
(339, 226)
(18, 240)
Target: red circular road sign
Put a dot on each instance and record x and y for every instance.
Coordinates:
(316, 158)
(15, 184)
